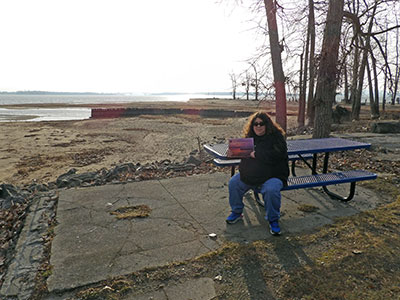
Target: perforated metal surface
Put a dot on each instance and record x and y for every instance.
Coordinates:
(328, 179)
(300, 146)
(226, 162)
(234, 162)
(323, 145)
(218, 150)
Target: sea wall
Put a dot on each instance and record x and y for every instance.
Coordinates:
(101, 113)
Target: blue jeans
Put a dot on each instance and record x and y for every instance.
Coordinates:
(270, 191)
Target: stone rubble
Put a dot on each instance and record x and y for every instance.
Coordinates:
(27, 214)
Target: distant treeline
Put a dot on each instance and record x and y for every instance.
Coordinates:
(53, 93)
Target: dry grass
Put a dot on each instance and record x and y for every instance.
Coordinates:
(130, 212)
(307, 208)
(360, 259)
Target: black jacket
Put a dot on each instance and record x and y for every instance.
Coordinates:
(271, 160)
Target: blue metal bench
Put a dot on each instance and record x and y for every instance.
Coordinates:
(308, 181)
(306, 149)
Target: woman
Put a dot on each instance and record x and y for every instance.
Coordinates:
(266, 169)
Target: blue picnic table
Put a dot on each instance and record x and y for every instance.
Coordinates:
(305, 149)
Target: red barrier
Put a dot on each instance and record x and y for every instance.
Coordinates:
(102, 113)
(191, 111)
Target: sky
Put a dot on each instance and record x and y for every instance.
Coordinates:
(126, 46)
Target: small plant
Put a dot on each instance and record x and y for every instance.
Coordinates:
(307, 208)
(129, 212)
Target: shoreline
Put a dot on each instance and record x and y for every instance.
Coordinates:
(38, 112)
(41, 151)
(195, 103)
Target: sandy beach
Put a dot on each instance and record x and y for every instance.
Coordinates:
(42, 151)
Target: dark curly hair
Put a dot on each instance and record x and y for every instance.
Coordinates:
(271, 126)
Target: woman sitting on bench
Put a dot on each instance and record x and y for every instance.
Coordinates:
(265, 170)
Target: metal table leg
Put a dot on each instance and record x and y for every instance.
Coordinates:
(332, 194)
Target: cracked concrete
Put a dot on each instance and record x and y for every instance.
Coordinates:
(92, 245)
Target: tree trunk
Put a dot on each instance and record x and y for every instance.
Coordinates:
(397, 70)
(327, 73)
(303, 87)
(355, 110)
(386, 75)
(246, 84)
(357, 101)
(310, 97)
(364, 62)
(370, 89)
(384, 94)
(396, 84)
(279, 77)
(375, 108)
(256, 82)
(346, 85)
(302, 97)
(234, 85)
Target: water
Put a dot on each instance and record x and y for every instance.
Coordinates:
(44, 114)
(17, 99)
(57, 114)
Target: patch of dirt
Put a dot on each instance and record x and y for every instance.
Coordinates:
(130, 212)
(90, 156)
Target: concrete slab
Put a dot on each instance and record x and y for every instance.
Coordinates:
(91, 244)
(194, 289)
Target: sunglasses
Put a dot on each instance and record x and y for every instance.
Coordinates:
(258, 124)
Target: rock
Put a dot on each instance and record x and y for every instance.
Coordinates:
(62, 180)
(165, 162)
(87, 177)
(71, 179)
(180, 168)
(8, 191)
(386, 127)
(10, 195)
(341, 114)
(193, 161)
(123, 173)
(38, 187)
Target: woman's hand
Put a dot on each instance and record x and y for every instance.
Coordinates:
(253, 154)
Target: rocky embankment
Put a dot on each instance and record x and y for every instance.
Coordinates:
(16, 202)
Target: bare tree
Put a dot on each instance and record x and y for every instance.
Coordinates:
(311, 35)
(246, 83)
(234, 84)
(326, 84)
(397, 67)
(302, 24)
(256, 82)
(302, 97)
(279, 77)
(385, 71)
(346, 82)
(374, 102)
(355, 76)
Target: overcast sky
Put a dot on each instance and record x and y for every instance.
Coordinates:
(122, 45)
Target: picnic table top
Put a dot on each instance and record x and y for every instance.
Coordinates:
(301, 146)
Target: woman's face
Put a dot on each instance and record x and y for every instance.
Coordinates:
(259, 127)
